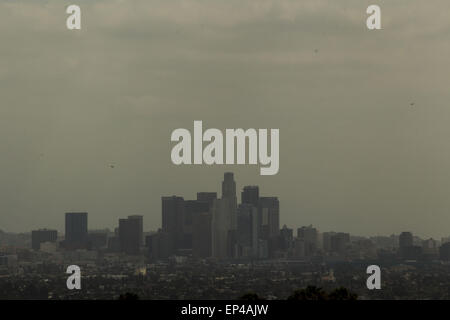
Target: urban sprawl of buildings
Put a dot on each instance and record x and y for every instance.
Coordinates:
(220, 239)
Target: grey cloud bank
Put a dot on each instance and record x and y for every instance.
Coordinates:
(363, 161)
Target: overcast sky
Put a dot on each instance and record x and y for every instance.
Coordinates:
(355, 156)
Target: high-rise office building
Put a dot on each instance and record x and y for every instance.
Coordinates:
(41, 236)
(207, 197)
(310, 237)
(228, 186)
(269, 217)
(248, 220)
(229, 193)
(129, 235)
(247, 231)
(250, 195)
(202, 229)
(141, 227)
(172, 220)
(202, 235)
(221, 229)
(192, 209)
(286, 238)
(326, 241)
(224, 220)
(76, 230)
(152, 245)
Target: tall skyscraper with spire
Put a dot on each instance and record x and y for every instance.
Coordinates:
(228, 185)
(229, 193)
(224, 220)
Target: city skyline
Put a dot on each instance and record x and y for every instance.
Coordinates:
(216, 247)
(223, 228)
(246, 196)
(206, 151)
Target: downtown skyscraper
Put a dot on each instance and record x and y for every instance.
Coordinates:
(76, 236)
(218, 227)
(224, 220)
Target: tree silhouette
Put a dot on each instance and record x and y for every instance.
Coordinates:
(342, 294)
(129, 296)
(252, 296)
(309, 293)
(318, 294)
